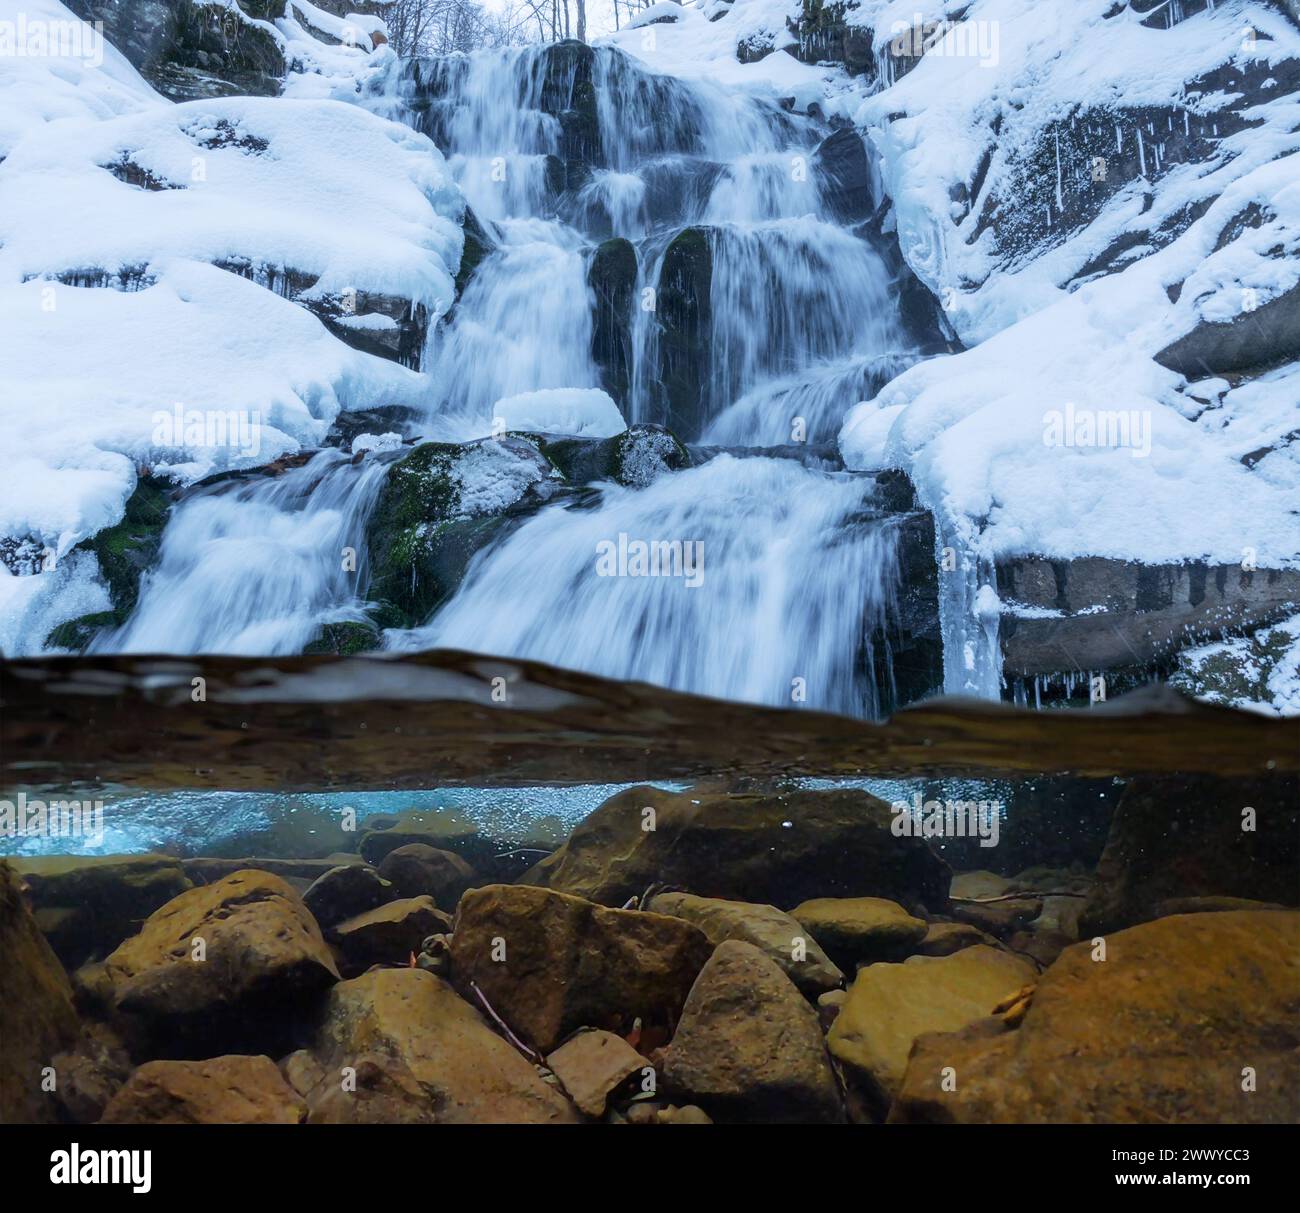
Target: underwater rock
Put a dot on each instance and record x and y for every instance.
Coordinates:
(549, 963)
(651, 1113)
(999, 918)
(418, 870)
(1196, 837)
(224, 965)
(88, 904)
(345, 892)
(383, 1091)
(389, 934)
(232, 1090)
(860, 930)
(206, 869)
(890, 1005)
(90, 1073)
(592, 1065)
(781, 848)
(749, 1047)
(945, 938)
(470, 1075)
(1187, 1020)
(776, 934)
(440, 831)
(39, 1019)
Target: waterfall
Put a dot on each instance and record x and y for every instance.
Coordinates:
(558, 149)
(787, 580)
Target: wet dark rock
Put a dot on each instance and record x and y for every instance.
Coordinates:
(345, 892)
(612, 278)
(635, 458)
(1117, 614)
(826, 36)
(88, 904)
(469, 1074)
(478, 246)
(749, 1047)
(387, 326)
(418, 870)
(1252, 341)
(1178, 838)
(391, 419)
(549, 963)
(378, 1090)
(39, 1019)
(231, 1090)
(346, 639)
(780, 848)
(684, 312)
(191, 50)
(232, 964)
(945, 938)
(840, 163)
(1163, 1030)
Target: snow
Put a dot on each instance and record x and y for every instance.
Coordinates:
(1262, 671)
(975, 430)
(319, 187)
(575, 412)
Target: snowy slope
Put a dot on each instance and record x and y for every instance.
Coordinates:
(116, 207)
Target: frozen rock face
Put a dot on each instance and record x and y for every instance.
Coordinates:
(189, 49)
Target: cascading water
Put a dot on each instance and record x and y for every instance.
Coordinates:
(557, 149)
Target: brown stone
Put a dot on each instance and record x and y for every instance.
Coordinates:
(778, 848)
(861, 930)
(90, 1073)
(890, 1005)
(388, 934)
(945, 938)
(376, 1091)
(592, 1065)
(1159, 1032)
(469, 1073)
(749, 1047)
(265, 962)
(38, 1018)
(346, 891)
(231, 1090)
(773, 931)
(569, 963)
(417, 870)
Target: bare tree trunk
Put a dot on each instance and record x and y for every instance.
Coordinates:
(582, 20)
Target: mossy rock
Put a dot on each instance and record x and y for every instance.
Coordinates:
(76, 634)
(345, 639)
(440, 505)
(130, 547)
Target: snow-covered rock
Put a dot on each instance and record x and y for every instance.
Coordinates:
(580, 412)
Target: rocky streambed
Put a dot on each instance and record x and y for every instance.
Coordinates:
(751, 953)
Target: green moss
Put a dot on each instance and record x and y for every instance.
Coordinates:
(77, 634)
(345, 639)
(126, 550)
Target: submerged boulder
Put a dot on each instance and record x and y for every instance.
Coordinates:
(549, 964)
(749, 1047)
(419, 870)
(776, 934)
(1196, 837)
(346, 891)
(468, 1073)
(890, 1005)
(781, 848)
(38, 1016)
(593, 1065)
(232, 964)
(860, 930)
(389, 934)
(232, 1090)
(1186, 1020)
(88, 904)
